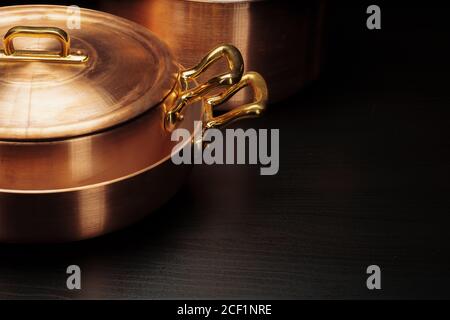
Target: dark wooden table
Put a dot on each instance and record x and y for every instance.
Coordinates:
(364, 179)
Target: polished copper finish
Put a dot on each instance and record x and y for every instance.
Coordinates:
(66, 175)
(86, 212)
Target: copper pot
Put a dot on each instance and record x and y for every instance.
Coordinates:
(283, 40)
(86, 120)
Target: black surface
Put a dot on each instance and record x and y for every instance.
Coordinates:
(364, 179)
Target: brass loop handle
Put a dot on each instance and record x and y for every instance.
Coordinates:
(233, 76)
(9, 53)
(253, 109)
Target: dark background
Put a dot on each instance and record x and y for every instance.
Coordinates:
(363, 180)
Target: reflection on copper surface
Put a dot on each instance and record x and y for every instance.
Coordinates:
(94, 206)
(81, 159)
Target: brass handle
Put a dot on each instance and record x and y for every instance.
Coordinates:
(9, 53)
(253, 109)
(233, 76)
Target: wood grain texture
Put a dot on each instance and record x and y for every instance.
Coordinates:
(364, 179)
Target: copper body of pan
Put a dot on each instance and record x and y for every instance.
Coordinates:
(86, 117)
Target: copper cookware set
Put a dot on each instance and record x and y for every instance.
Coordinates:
(86, 117)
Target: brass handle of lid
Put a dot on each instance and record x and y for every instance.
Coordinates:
(233, 76)
(9, 53)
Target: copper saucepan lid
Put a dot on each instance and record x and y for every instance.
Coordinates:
(57, 84)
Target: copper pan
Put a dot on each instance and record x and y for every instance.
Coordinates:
(283, 40)
(85, 133)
